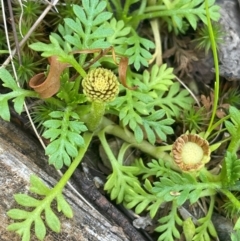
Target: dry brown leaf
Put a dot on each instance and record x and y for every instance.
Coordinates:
(49, 86)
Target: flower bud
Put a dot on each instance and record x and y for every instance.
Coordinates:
(100, 85)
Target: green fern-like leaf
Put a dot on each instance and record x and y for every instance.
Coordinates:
(160, 78)
(167, 227)
(41, 206)
(179, 14)
(182, 187)
(69, 91)
(142, 199)
(205, 230)
(64, 131)
(137, 108)
(175, 100)
(17, 95)
(119, 37)
(90, 30)
(233, 127)
(38, 187)
(138, 51)
(116, 188)
(155, 126)
(231, 169)
(155, 167)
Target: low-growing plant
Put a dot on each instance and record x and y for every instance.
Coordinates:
(99, 64)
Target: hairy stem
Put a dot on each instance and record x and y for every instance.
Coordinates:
(154, 151)
(66, 176)
(94, 118)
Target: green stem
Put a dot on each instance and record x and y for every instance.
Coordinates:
(66, 176)
(108, 151)
(211, 207)
(157, 36)
(216, 84)
(94, 118)
(154, 151)
(218, 123)
(77, 66)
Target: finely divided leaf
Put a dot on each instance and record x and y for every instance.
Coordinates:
(17, 94)
(26, 201)
(7, 79)
(63, 206)
(139, 53)
(39, 227)
(175, 101)
(65, 136)
(18, 214)
(38, 187)
(231, 168)
(52, 220)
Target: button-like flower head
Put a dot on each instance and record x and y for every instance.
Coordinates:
(191, 152)
(100, 85)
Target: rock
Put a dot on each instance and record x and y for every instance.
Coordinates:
(229, 50)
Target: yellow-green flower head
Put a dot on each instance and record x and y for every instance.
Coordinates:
(100, 85)
(191, 152)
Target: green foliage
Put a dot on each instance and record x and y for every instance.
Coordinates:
(87, 31)
(28, 68)
(69, 92)
(147, 110)
(174, 101)
(160, 78)
(142, 198)
(194, 119)
(205, 230)
(168, 223)
(17, 95)
(129, 189)
(235, 236)
(119, 37)
(231, 169)
(182, 187)
(137, 107)
(40, 206)
(188, 229)
(89, 28)
(202, 39)
(138, 51)
(116, 189)
(63, 130)
(233, 128)
(154, 168)
(178, 14)
(233, 97)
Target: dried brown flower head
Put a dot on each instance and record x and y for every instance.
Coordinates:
(100, 85)
(191, 152)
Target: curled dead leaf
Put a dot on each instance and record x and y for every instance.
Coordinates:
(122, 71)
(48, 86)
